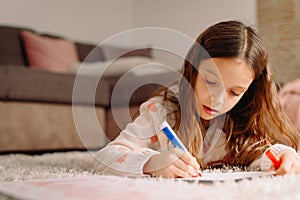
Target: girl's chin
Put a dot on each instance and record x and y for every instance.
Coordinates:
(206, 116)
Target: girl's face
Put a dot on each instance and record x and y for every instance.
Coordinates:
(220, 84)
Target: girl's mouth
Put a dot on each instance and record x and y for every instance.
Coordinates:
(209, 110)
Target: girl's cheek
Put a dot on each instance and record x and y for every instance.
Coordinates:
(230, 103)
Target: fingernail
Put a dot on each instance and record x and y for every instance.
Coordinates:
(196, 174)
(199, 172)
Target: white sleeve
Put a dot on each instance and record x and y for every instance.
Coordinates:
(265, 162)
(141, 139)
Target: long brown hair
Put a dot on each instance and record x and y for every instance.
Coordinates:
(257, 120)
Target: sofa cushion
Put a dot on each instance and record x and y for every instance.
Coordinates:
(33, 85)
(113, 52)
(3, 81)
(136, 65)
(52, 54)
(134, 90)
(11, 52)
(89, 52)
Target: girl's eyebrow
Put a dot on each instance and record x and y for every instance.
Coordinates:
(212, 72)
(216, 75)
(240, 87)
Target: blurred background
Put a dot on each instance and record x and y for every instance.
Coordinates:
(97, 20)
(34, 101)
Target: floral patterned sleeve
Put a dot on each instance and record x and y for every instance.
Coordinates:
(127, 154)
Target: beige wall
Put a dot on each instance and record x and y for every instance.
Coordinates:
(87, 20)
(279, 24)
(189, 17)
(192, 16)
(99, 20)
(96, 20)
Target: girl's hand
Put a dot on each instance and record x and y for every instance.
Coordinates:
(172, 164)
(290, 163)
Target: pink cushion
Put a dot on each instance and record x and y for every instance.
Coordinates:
(52, 54)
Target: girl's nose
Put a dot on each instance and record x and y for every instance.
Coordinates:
(218, 100)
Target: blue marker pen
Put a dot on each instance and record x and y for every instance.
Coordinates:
(168, 131)
(171, 135)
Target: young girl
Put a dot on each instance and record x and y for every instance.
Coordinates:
(224, 109)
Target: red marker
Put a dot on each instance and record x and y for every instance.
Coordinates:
(275, 160)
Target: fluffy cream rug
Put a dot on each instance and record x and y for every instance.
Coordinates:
(16, 167)
(61, 169)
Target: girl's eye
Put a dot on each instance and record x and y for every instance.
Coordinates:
(234, 94)
(210, 82)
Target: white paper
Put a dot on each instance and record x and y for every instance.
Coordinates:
(221, 176)
(110, 187)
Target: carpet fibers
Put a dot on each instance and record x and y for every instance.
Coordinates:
(79, 168)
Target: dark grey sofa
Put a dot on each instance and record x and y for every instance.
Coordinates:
(36, 105)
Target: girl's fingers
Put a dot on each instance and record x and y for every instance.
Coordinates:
(290, 163)
(172, 171)
(272, 169)
(177, 172)
(185, 167)
(174, 163)
(285, 168)
(187, 158)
